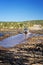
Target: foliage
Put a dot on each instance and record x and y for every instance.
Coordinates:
(20, 24)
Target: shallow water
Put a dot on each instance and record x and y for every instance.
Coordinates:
(1, 34)
(13, 40)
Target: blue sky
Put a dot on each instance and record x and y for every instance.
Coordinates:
(21, 10)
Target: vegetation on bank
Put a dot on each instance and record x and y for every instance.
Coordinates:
(16, 25)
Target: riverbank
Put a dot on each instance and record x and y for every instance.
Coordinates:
(6, 34)
(33, 40)
(37, 31)
(13, 33)
(27, 53)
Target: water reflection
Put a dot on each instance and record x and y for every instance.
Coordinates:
(11, 41)
(1, 34)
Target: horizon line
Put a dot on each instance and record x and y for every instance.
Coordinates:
(23, 20)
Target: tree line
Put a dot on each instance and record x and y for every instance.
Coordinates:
(20, 24)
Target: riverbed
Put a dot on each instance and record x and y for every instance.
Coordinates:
(13, 40)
